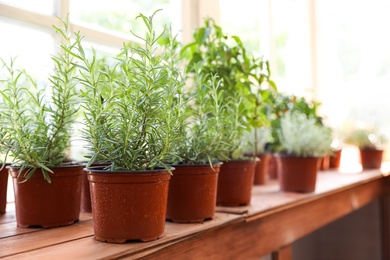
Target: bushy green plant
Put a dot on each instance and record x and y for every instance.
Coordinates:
(283, 104)
(133, 110)
(300, 135)
(243, 77)
(366, 138)
(205, 129)
(37, 120)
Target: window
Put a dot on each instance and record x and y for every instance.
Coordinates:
(38, 6)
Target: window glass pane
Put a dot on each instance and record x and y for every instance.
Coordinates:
(291, 58)
(280, 31)
(38, 6)
(250, 22)
(354, 61)
(31, 47)
(120, 15)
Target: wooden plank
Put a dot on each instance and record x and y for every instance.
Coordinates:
(9, 229)
(77, 247)
(264, 235)
(284, 253)
(267, 200)
(385, 226)
(44, 238)
(273, 221)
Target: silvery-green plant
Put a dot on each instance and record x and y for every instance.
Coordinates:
(303, 136)
(366, 138)
(133, 110)
(37, 120)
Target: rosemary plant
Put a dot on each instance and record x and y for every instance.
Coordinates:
(36, 120)
(207, 122)
(133, 110)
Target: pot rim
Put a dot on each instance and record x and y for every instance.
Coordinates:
(197, 164)
(100, 169)
(76, 165)
(291, 155)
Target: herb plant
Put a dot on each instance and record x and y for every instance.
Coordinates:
(207, 122)
(366, 138)
(302, 136)
(133, 110)
(283, 104)
(37, 120)
(243, 77)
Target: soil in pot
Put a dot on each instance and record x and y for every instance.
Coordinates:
(371, 158)
(192, 193)
(297, 174)
(128, 205)
(235, 182)
(3, 189)
(42, 204)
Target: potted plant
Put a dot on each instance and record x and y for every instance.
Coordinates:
(132, 118)
(213, 52)
(193, 187)
(335, 156)
(303, 141)
(260, 139)
(370, 143)
(283, 104)
(37, 128)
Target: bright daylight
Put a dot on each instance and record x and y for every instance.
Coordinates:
(195, 129)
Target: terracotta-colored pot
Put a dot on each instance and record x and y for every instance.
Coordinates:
(192, 193)
(39, 203)
(261, 170)
(235, 182)
(323, 163)
(297, 174)
(371, 158)
(272, 168)
(85, 191)
(128, 205)
(334, 159)
(85, 205)
(3, 189)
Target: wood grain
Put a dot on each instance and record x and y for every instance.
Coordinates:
(271, 223)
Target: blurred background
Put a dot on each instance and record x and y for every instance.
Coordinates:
(334, 52)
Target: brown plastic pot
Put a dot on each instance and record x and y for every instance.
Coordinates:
(128, 205)
(42, 204)
(85, 190)
(297, 174)
(262, 168)
(323, 163)
(85, 204)
(192, 193)
(371, 158)
(334, 159)
(272, 167)
(3, 189)
(235, 182)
